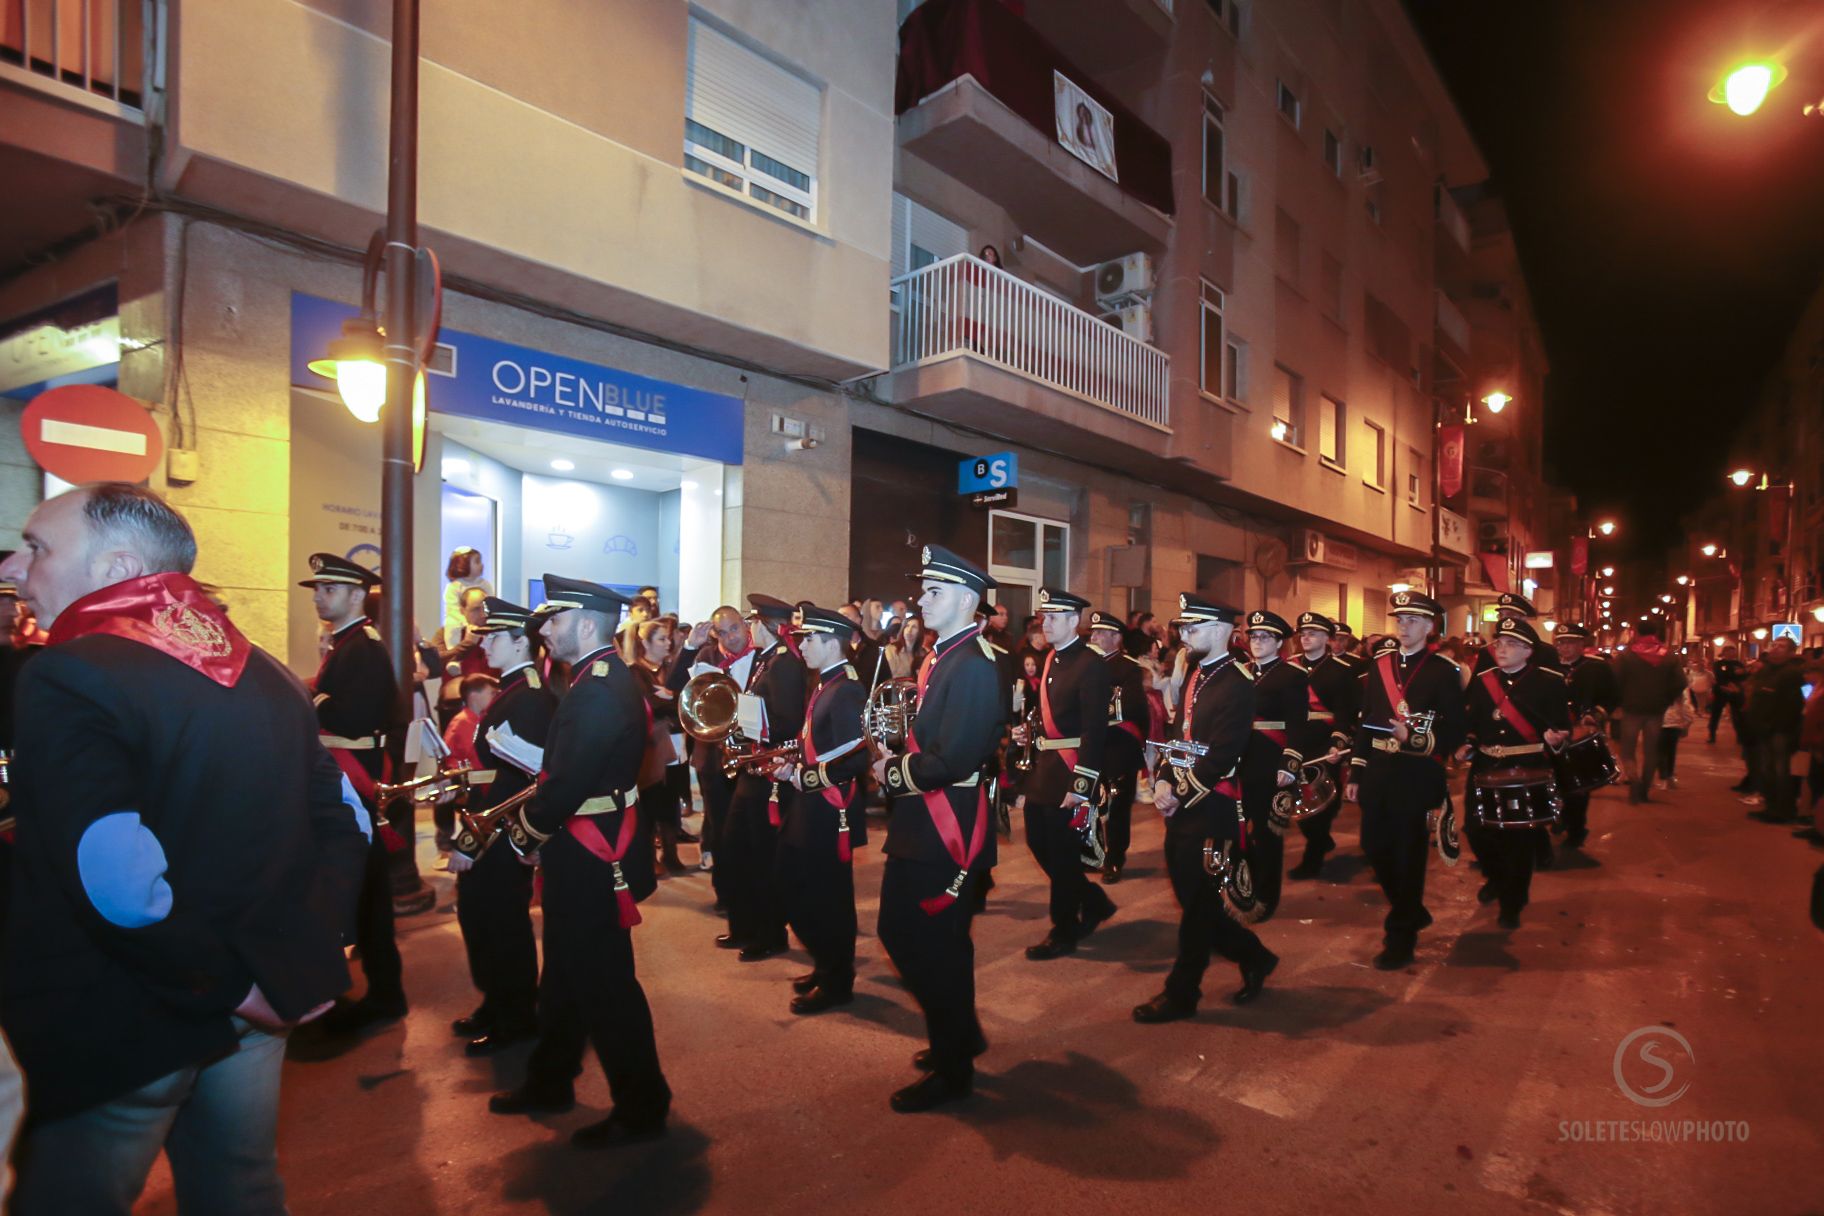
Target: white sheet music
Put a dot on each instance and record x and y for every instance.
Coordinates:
(750, 715)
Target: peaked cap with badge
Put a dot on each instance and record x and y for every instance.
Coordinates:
(938, 564)
(1056, 599)
(1197, 610)
(1262, 621)
(330, 570)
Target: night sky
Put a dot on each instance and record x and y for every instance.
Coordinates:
(1668, 244)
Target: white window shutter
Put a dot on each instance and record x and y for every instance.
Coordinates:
(742, 94)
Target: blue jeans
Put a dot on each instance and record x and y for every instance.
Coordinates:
(218, 1124)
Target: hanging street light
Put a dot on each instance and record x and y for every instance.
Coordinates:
(1744, 89)
(1496, 401)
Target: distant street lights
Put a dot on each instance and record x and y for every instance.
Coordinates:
(1708, 550)
(1606, 527)
(1496, 401)
(1744, 89)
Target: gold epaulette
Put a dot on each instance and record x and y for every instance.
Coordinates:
(532, 680)
(371, 632)
(848, 669)
(986, 645)
(599, 667)
(1245, 670)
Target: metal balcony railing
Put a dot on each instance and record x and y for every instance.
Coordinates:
(964, 306)
(98, 53)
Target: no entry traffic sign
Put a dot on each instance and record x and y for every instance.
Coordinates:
(84, 432)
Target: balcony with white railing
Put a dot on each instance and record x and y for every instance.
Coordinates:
(976, 345)
(92, 53)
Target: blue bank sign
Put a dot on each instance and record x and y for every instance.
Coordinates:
(476, 377)
(999, 471)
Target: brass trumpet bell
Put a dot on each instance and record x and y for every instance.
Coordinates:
(709, 706)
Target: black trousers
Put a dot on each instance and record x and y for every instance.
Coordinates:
(817, 890)
(1576, 817)
(590, 993)
(1059, 852)
(718, 792)
(1507, 855)
(494, 911)
(1121, 815)
(935, 956)
(745, 859)
(1266, 851)
(1396, 793)
(380, 961)
(1204, 924)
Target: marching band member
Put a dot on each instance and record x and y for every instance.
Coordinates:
(735, 655)
(815, 870)
(1066, 782)
(939, 839)
(1595, 696)
(595, 848)
(1199, 802)
(355, 694)
(1125, 754)
(1514, 711)
(493, 890)
(1397, 773)
(1335, 703)
(1282, 702)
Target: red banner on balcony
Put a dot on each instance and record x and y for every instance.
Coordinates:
(1494, 565)
(1450, 460)
(1580, 555)
(944, 40)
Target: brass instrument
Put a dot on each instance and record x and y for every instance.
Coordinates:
(888, 715)
(1022, 761)
(1179, 753)
(709, 710)
(480, 828)
(762, 760)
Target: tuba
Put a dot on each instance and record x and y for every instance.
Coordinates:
(709, 709)
(887, 717)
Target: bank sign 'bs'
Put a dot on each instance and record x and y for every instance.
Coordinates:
(999, 471)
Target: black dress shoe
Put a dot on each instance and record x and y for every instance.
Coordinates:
(1093, 920)
(1053, 946)
(930, 1090)
(613, 1132)
(1163, 1008)
(728, 941)
(1575, 840)
(1393, 958)
(477, 1023)
(1112, 871)
(820, 998)
(533, 1100)
(1253, 979)
(1310, 867)
(925, 1062)
(1508, 920)
(497, 1040)
(755, 953)
(802, 984)
(1486, 893)
(353, 1016)
(688, 837)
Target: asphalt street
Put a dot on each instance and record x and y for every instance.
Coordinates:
(1488, 1077)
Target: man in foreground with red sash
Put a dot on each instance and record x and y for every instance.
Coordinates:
(1064, 790)
(1200, 798)
(814, 868)
(1397, 772)
(939, 840)
(1282, 700)
(1516, 709)
(1335, 697)
(187, 860)
(355, 697)
(1125, 753)
(588, 833)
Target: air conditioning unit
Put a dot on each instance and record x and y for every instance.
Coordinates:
(1366, 172)
(1314, 547)
(1124, 280)
(1134, 320)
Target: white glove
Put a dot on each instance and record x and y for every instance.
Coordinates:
(460, 862)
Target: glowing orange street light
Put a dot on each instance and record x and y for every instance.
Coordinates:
(1606, 527)
(1709, 550)
(1741, 477)
(1745, 87)
(1496, 401)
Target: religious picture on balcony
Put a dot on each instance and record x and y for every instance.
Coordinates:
(1085, 128)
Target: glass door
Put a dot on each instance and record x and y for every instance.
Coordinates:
(1024, 554)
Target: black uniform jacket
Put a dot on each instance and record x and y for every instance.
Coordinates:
(178, 842)
(778, 678)
(1592, 687)
(1536, 694)
(355, 690)
(592, 764)
(1282, 705)
(958, 727)
(1335, 702)
(1430, 682)
(525, 707)
(1125, 753)
(835, 722)
(1218, 703)
(1075, 683)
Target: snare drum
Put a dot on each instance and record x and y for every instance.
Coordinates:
(1585, 765)
(1515, 798)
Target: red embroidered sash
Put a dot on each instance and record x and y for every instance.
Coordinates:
(585, 832)
(943, 816)
(1506, 709)
(844, 850)
(167, 612)
(1067, 754)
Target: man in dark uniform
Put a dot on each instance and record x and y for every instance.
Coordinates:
(1397, 773)
(756, 921)
(355, 695)
(1514, 711)
(1342, 646)
(1512, 607)
(814, 871)
(1595, 696)
(1000, 795)
(1125, 754)
(939, 838)
(1335, 699)
(1200, 800)
(1065, 787)
(493, 890)
(734, 654)
(596, 850)
(187, 861)
(1282, 703)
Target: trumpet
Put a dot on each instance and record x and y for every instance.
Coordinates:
(1179, 753)
(480, 828)
(761, 760)
(1022, 762)
(432, 787)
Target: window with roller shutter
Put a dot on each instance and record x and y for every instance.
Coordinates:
(751, 125)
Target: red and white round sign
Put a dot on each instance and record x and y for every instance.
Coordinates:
(84, 432)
